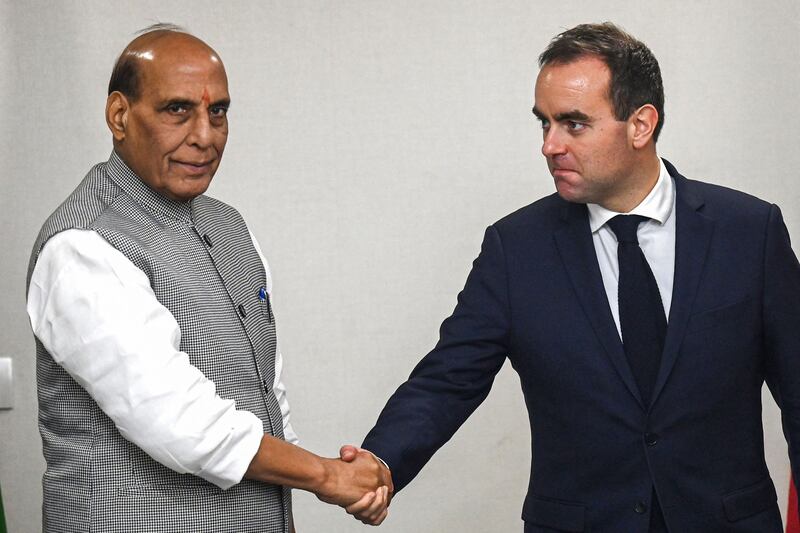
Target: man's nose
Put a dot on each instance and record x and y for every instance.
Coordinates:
(201, 132)
(552, 143)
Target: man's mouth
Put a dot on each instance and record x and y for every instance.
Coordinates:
(196, 167)
(560, 172)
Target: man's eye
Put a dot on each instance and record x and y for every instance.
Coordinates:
(575, 126)
(544, 123)
(177, 108)
(219, 111)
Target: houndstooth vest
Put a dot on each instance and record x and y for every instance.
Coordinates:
(203, 267)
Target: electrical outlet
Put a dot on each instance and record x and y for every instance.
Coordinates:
(6, 383)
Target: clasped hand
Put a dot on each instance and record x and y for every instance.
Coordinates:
(360, 483)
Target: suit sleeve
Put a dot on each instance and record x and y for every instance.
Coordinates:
(781, 316)
(455, 377)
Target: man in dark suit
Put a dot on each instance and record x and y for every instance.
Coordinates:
(642, 310)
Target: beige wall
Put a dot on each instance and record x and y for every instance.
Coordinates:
(371, 143)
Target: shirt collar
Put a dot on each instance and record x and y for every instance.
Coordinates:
(129, 182)
(657, 205)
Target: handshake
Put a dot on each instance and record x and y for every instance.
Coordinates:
(356, 480)
(359, 482)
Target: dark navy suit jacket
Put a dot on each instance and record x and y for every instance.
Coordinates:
(535, 295)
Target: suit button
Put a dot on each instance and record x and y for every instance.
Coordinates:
(640, 508)
(651, 439)
(242, 311)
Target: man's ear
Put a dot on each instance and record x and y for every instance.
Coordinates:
(643, 123)
(117, 107)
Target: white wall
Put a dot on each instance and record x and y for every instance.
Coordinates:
(371, 143)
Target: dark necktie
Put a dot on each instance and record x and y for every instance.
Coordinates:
(641, 313)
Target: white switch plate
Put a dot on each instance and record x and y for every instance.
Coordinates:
(6, 383)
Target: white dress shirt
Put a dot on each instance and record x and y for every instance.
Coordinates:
(96, 314)
(656, 239)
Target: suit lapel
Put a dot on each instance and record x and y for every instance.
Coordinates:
(693, 233)
(575, 246)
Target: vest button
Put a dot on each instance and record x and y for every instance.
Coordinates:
(242, 312)
(640, 508)
(651, 439)
(207, 240)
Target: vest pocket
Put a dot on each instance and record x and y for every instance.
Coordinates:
(556, 514)
(750, 500)
(148, 474)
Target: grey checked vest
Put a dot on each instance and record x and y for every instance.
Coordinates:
(203, 267)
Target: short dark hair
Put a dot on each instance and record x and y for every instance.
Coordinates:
(635, 74)
(125, 75)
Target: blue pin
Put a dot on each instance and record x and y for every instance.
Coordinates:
(262, 294)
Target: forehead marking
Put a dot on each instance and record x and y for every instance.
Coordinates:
(206, 98)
